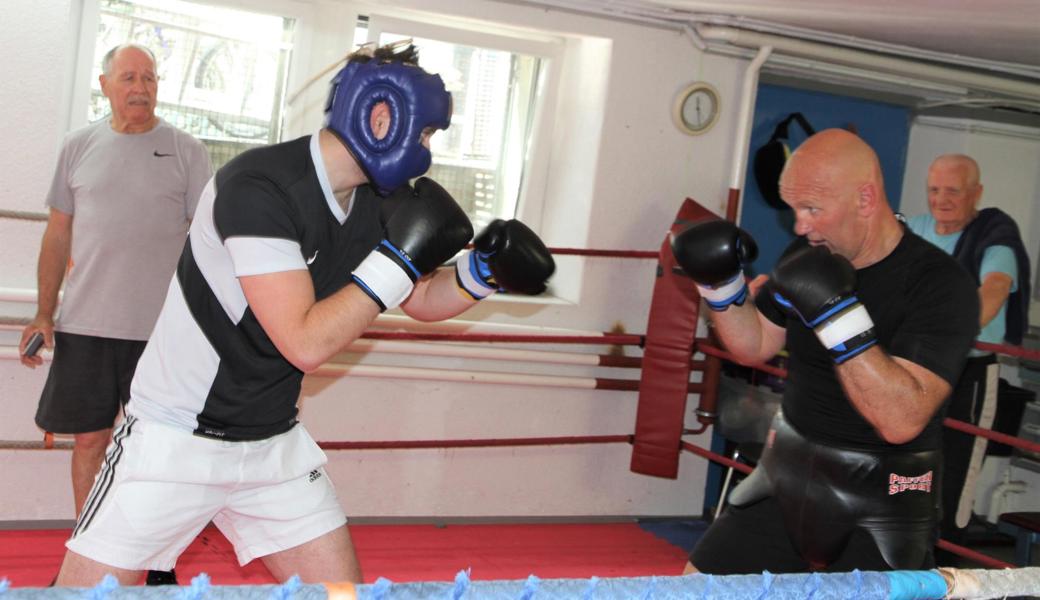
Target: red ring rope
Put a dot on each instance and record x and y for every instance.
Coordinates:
(605, 253)
(996, 436)
(611, 339)
(970, 554)
(1010, 350)
(476, 443)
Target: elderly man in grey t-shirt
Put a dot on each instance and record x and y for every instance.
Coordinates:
(123, 195)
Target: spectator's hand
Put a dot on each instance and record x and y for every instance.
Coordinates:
(44, 326)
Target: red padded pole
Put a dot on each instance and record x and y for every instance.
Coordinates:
(664, 381)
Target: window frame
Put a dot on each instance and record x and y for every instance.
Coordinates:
(90, 17)
(530, 201)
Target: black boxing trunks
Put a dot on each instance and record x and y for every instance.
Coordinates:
(825, 493)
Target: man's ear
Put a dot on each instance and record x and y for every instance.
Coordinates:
(102, 80)
(380, 120)
(867, 200)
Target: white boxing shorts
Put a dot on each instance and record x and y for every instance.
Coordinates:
(160, 486)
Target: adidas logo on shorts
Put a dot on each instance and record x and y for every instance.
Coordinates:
(314, 476)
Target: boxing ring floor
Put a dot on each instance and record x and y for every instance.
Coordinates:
(608, 561)
(408, 552)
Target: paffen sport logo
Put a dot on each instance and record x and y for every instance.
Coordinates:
(902, 483)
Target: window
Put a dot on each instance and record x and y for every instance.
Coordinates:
(496, 84)
(222, 72)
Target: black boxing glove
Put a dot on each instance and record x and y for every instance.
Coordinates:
(713, 253)
(820, 287)
(426, 229)
(507, 255)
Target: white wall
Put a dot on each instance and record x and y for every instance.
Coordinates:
(1008, 157)
(615, 179)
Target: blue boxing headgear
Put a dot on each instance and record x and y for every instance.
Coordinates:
(417, 100)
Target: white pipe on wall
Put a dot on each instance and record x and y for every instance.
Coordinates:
(401, 322)
(473, 351)
(745, 118)
(457, 376)
(423, 373)
(17, 295)
(434, 349)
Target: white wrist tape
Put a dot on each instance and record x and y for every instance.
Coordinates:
(467, 278)
(383, 277)
(844, 326)
(724, 292)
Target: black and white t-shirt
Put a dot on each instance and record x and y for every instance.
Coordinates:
(925, 309)
(209, 366)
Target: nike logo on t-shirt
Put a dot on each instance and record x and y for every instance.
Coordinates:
(159, 154)
(312, 259)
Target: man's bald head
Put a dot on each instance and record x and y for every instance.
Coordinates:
(954, 192)
(835, 159)
(834, 185)
(963, 163)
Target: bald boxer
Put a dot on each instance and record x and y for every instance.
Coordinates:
(877, 323)
(295, 249)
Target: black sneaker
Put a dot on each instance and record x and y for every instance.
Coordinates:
(161, 578)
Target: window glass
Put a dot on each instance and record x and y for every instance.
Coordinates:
(481, 158)
(222, 72)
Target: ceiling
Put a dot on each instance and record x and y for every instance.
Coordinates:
(996, 30)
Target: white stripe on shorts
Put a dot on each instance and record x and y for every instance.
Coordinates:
(103, 481)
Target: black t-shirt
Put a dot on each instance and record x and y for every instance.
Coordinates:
(925, 309)
(210, 366)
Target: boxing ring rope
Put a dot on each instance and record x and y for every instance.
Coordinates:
(862, 585)
(478, 443)
(996, 436)
(701, 345)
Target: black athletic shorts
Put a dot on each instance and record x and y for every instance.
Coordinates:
(89, 382)
(752, 539)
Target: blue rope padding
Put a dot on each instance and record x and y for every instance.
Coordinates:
(461, 585)
(530, 588)
(103, 589)
(198, 589)
(648, 593)
(288, 589)
(767, 584)
(381, 588)
(870, 585)
(813, 584)
(589, 591)
(916, 585)
(708, 587)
